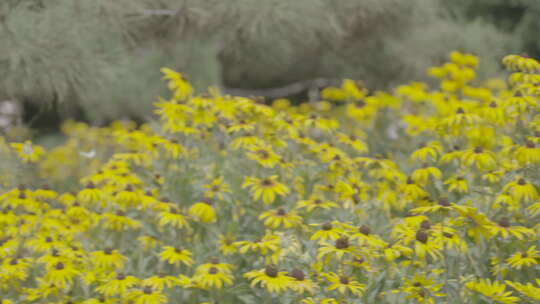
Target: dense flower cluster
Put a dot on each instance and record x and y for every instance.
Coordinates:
(421, 195)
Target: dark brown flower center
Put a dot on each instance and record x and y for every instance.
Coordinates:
(59, 266)
(521, 182)
(281, 212)
(460, 111)
(342, 243)
(364, 229)
(443, 201)
(478, 150)
(421, 236)
(271, 271)
(267, 182)
(344, 280)
(108, 251)
(426, 225)
(504, 222)
(297, 274)
(120, 276)
(213, 270)
(327, 226)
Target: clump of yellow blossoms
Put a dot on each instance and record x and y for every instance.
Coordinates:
(420, 195)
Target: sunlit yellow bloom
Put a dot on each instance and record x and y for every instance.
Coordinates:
(147, 296)
(344, 284)
(28, 152)
(315, 202)
(526, 258)
(214, 277)
(217, 188)
(270, 278)
(108, 259)
(119, 284)
(280, 218)
(203, 212)
(176, 256)
(528, 290)
(495, 291)
(422, 289)
(266, 188)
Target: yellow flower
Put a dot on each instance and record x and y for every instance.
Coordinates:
(483, 159)
(427, 152)
(527, 258)
(314, 202)
(28, 152)
(505, 229)
(264, 155)
(328, 231)
(299, 283)
(269, 243)
(90, 195)
(160, 281)
(280, 219)
(119, 284)
(422, 289)
(421, 176)
(203, 211)
(108, 259)
(146, 296)
(266, 188)
(214, 277)
(528, 290)
(176, 256)
(344, 284)
(173, 218)
(521, 191)
(62, 275)
(341, 248)
(457, 184)
(270, 278)
(494, 291)
(217, 188)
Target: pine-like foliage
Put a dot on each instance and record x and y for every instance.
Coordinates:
(104, 56)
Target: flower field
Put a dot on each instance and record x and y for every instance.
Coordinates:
(426, 194)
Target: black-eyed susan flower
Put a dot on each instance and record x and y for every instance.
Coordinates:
(525, 258)
(280, 219)
(146, 295)
(528, 289)
(344, 284)
(176, 256)
(203, 211)
(495, 291)
(172, 217)
(117, 284)
(213, 277)
(266, 188)
(217, 188)
(270, 278)
(161, 281)
(90, 194)
(28, 152)
(327, 232)
(342, 247)
(484, 159)
(505, 229)
(300, 283)
(62, 275)
(521, 190)
(316, 202)
(108, 258)
(268, 244)
(422, 289)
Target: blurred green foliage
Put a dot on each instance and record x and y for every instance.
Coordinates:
(104, 56)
